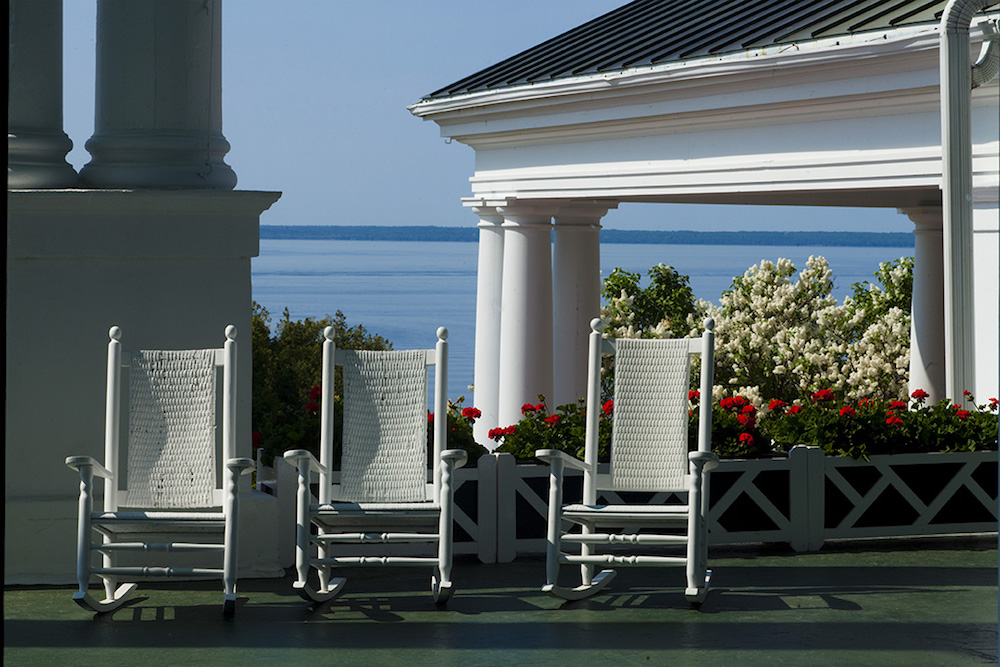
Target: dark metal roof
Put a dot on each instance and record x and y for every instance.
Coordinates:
(651, 32)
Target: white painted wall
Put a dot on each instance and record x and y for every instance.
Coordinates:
(172, 269)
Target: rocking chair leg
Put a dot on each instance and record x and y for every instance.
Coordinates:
(323, 594)
(112, 602)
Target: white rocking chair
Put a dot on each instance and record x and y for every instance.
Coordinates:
(171, 480)
(649, 452)
(383, 495)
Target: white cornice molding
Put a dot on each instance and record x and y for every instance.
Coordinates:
(916, 169)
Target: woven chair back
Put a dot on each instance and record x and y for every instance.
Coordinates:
(385, 426)
(650, 438)
(171, 443)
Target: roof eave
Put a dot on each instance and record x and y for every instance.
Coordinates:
(813, 53)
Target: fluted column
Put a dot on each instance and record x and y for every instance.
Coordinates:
(489, 290)
(36, 143)
(576, 294)
(927, 366)
(526, 312)
(158, 120)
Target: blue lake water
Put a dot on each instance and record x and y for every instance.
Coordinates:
(405, 290)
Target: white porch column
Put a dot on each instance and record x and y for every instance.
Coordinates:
(986, 248)
(158, 120)
(489, 286)
(36, 143)
(526, 311)
(576, 294)
(927, 309)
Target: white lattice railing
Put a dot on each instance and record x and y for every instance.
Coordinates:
(802, 499)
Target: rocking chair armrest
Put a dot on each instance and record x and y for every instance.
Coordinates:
(456, 457)
(294, 456)
(704, 460)
(549, 455)
(78, 462)
(243, 464)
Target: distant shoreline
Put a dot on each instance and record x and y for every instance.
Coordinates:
(471, 235)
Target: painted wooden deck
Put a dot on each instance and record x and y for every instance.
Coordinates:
(894, 602)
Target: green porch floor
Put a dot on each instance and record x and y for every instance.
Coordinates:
(892, 602)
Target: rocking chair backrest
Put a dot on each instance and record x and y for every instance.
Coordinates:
(384, 444)
(649, 448)
(650, 435)
(171, 440)
(385, 426)
(172, 408)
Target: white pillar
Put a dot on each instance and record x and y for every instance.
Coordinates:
(986, 240)
(489, 285)
(927, 309)
(158, 120)
(36, 143)
(576, 294)
(526, 311)
(956, 193)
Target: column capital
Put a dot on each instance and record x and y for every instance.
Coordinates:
(583, 211)
(488, 216)
(527, 215)
(926, 218)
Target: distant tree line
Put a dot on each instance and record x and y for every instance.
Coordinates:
(471, 234)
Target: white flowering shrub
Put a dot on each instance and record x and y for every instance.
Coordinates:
(778, 335)
(776, 338)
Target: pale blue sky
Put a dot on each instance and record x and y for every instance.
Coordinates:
(314, 104)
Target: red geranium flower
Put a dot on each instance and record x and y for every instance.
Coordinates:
(739, 401)
(510, 430)
(526, 408)
(775, 405)
(539, 407)
(315, 392)
(552, 419)
(430, 417)
(749, 410)
(746, 438)
(919, 395)
(893, 420)
(822, 395)
(694, 395)
(967, 393)
(897, 405)
(747, 421)
(994, 404)
(847, 411)
(961, 414)
(865, 401)
(609, 405)
(794, 409)
(312, 406)
(472, 413)
(727, 403)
